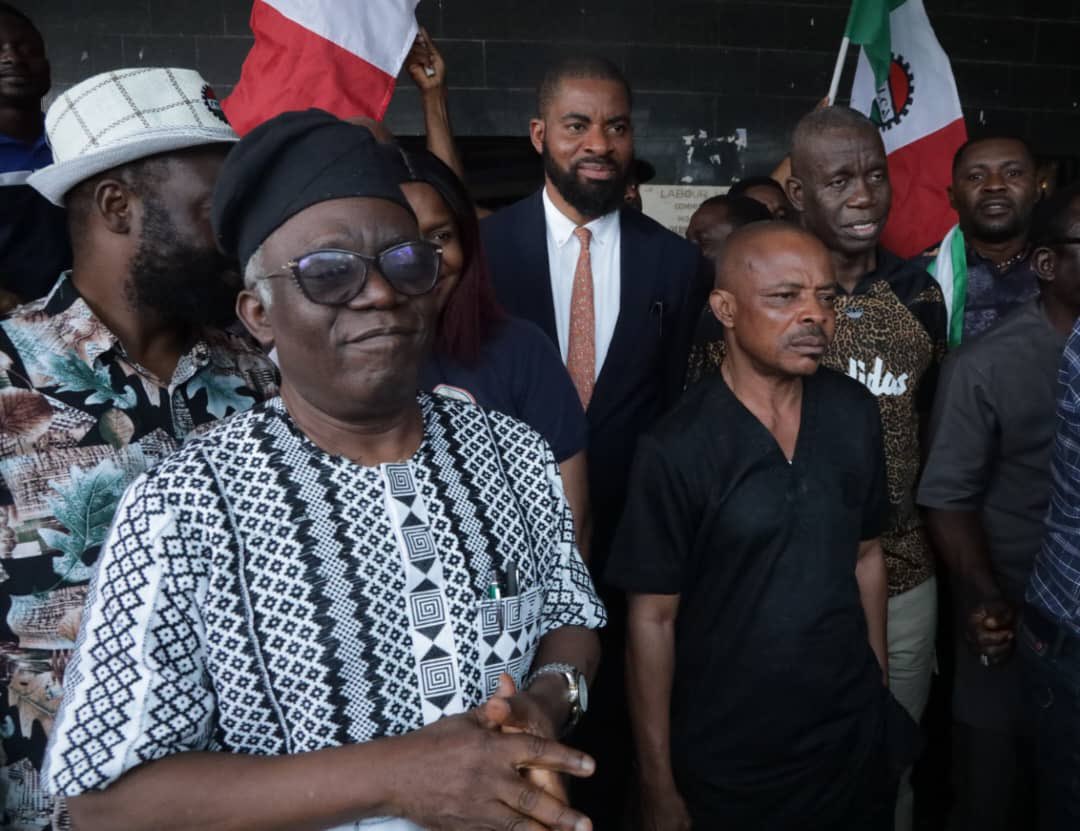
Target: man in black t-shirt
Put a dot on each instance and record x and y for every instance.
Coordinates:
(756, 581)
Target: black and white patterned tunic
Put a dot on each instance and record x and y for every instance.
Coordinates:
(257, 595)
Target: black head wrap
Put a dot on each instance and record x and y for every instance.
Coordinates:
(293, 161)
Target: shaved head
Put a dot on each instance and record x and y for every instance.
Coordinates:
(746, 256)
(775, 288)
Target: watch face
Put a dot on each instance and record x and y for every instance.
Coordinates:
(583, 693)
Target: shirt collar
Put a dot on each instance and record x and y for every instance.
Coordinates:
(74, 324)
(18, 154)
(76, 328)
(886, 263)
(975, 258)
(561, 227)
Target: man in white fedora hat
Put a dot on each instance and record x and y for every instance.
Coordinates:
(107, 374)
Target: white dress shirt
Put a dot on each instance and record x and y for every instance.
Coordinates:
(563, 250)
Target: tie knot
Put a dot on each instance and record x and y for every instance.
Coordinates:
(584, 235)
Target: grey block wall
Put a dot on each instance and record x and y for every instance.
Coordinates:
(709, 65)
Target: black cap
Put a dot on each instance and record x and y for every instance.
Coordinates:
(293, 161)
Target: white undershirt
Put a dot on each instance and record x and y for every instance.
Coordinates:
(563, 250)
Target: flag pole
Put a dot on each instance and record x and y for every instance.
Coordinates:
(838, 70)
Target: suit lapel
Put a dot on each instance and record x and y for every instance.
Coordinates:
(635, 315)
(534, 280)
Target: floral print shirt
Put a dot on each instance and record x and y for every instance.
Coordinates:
(78, 422)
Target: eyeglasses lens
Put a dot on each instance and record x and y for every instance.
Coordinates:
(411, 268)
(331, 277)
(334, 278)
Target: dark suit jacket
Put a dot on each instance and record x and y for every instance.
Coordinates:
(664, 283)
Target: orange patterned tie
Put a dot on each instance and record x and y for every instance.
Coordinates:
(581, 346)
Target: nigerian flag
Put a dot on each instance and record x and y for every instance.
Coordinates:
(904, 83)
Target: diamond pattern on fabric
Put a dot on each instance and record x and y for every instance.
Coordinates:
(259, 596)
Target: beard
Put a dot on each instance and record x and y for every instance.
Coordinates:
(182, 284)
(1003, 231)
(589, 197)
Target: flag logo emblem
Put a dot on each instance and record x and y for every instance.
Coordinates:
(905, 85)
(210, 99)
(892, 101)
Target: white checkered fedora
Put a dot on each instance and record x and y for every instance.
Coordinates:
(117, 117)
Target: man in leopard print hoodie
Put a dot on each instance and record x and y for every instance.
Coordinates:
(890, 336)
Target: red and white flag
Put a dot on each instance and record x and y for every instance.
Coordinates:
(342, 56)
(915, 105)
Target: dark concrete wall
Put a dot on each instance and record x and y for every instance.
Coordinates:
(694, 64)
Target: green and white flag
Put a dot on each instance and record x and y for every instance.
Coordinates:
(950, 270)
(868, 26)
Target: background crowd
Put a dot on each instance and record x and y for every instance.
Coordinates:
(330, 498)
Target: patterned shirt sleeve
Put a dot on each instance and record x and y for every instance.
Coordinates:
(1055, 579)
(136, 689)
(569, 597)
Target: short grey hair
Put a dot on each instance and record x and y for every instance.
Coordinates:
(253, 271)
(826, 120)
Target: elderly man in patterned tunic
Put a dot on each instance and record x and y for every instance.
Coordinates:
(356, 604)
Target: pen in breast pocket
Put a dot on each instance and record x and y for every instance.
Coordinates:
(494, 592)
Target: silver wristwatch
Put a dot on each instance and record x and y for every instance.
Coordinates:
(577, 694)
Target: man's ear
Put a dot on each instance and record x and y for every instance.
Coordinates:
(537, 128)
(115, 202)
(722, 303)
(793, 187)
(1045, 261)
(254, 314)
(952, 196)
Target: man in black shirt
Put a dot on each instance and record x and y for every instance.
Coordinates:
(756, 581)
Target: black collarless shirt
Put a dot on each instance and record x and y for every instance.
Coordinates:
(776, 688)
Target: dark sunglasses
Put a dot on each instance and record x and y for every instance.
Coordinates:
(333, 276)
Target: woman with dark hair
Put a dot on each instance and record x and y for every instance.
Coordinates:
(481, 354)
